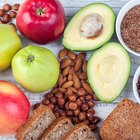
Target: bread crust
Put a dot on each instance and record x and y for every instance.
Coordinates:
(55, 124)
(123, 123)
(37, 113)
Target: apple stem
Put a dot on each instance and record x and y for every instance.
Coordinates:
(40, 12)
(30, 58)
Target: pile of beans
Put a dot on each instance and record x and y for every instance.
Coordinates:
(8, 12)
(72, 96)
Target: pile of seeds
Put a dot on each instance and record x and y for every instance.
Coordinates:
(73, 96)
(7, 13)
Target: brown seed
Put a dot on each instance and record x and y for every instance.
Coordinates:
(82, 76)
(63, 90)
(58, 95)
(67, 84)
(63, 53)
(81, 92)
(62, 113)
(96, 120)
(84, 107)
(53, 100)
(7, 7)
(66, 62)
(51, 106)
(16, 7)
(90, 116)
(13, 14)
(57, 115)
(72, 98)
(73, 89)
(76, 112)
(49, 95)
(2, 12)
(79, 102)
(81, 56)
(92, 127)
(60, 80)
(83, 81)
(72, 106)
(95, 97)
(91, 110)
(87, 88)
(82, 116)
(84, 66)
(91, 104)
(76, 81)
(82, 98)
(69, 92)
(71, 55)
(67, 106)
(36, 106)
(46, 101)
(70, 77)
(56, 108)
(78, 65)
(60, 101)
(66, 71)
(75, 120)
(71, 71)
(54, 90)
(6, 18)
(88, 97)
(69, 113)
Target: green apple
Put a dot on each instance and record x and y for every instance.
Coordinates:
(35, 68)
(9, 45)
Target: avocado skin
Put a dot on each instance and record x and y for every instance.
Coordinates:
(92, 47)
(89, 77)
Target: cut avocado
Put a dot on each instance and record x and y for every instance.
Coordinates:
(108, 71)
(90, 28)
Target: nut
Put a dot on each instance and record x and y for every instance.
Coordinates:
(84, 66)
(72, 98)
(91, 110)
(82, 116)
(73, 106)
(84, 107)
(57, 115)
(16, 7)
(81, 56)
(46, 101)
(76, 120)
(49, 95)
(76, 81)
(53, 100)
(6, 18)
(71, 55)
(58, 95)
(61, 101)
(62, 113)
(66, 71)
(13, 14)
(95, 97)
(63, 90)
(2, 12)
(96, 120)
(82, 76)
(73, 89)
(51, 106)
(60, 80)
(87, 88)
(70, 77)
(91, 104)
(65, 62)
(88, 97)
(78, 65)
(79, 102)
(67, 84)
(69, 113)
(7, 7)
(56, 108)
(63, 53)
(76, 112)
(81, 92)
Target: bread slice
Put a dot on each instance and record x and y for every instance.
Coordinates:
(123, 123)
(79, 132)
(40, 119)
(57, 129)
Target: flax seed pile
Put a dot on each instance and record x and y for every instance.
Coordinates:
(130, 28)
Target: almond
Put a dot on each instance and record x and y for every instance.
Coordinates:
(81, 56)
(67, 84)
(66, 71)
(84, 66)
(71, 70)
(60, 80)
(76, 81)
(78, 65)
(82, 76)
(87, 87)
(66, 62)
(73, 89)
(63, 53)
(63, 90)
(70, 77)
(71, 55)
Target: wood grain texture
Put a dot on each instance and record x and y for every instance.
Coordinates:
(71, 7)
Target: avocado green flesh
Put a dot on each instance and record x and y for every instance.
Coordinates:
(73, 40)
(108, 71)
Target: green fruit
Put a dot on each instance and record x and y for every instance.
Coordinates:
(9, 45)
(35, 68)
(108, 71)
(90, 28)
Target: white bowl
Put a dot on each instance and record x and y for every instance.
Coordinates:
(120, 16)
(135, 81)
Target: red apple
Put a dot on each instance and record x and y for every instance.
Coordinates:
(14, 108)
(41, 21)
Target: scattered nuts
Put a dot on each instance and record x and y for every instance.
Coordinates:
(7, 7)
(16, 7)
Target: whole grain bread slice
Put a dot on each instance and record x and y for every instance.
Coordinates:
(123, 123)
(40, 119)
(57, 129)
(79, 132)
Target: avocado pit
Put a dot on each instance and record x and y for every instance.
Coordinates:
(91, 25)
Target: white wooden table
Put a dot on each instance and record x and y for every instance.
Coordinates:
(71, 6)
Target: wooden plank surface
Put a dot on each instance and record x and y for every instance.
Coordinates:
(71, 6)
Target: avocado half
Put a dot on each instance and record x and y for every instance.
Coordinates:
(90, 28)
(108, 71)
